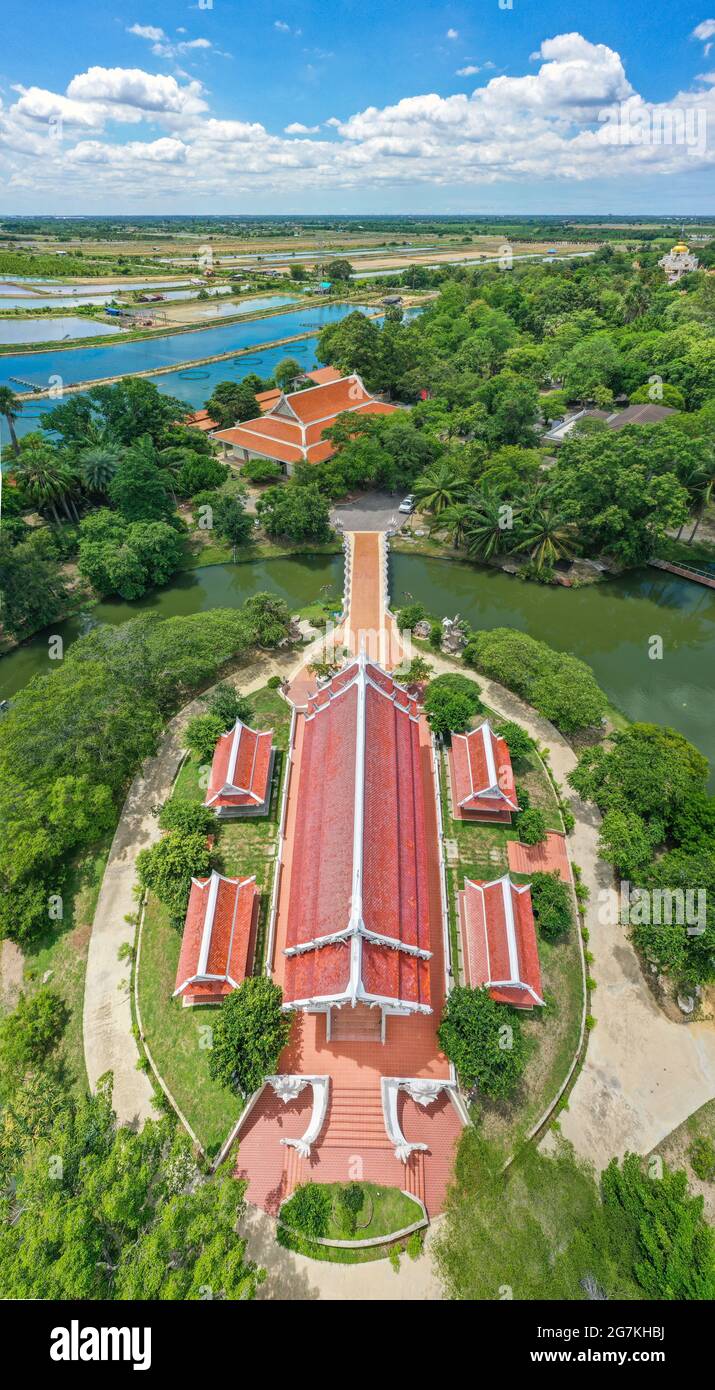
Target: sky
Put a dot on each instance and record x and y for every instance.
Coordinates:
(358, 106)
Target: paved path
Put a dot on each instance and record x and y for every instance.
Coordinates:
(109, 1043)
(295, 1277)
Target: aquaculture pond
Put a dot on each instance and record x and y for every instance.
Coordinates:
(609, 625)
(91, 363)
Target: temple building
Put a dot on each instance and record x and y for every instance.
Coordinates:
(241, 773)
(291, 429)
(677, 262)
(218, 942)
(358, 930)
(499, 941)
(481, 777)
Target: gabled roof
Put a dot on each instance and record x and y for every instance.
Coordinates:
(215, 947)
(499, 936)
(292, 427)
(358, 926)
(241, 767)
(482, 776)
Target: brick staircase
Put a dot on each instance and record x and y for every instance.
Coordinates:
(415, 1175)
(293, 1173)
(361, 1024)
(355, 1120)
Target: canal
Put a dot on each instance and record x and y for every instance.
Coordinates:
(608, 625)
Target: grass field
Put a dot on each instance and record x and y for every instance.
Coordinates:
(176, 1036)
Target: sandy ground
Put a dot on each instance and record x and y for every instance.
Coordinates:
(11, 967)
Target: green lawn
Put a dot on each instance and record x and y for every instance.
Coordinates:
(62, 954)
(384, 1211)
(242, 848)
(552, 1033)
(177, 1036)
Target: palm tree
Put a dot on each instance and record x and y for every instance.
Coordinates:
(489, 527)
(440, 487)
(453, 522)
(10, 407)
(548, 535)
(48, 481)
(98, 464)
(706, 493)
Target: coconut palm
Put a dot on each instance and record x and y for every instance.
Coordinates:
(10, 407)
(98, 464)
(488, 529)
(547, 534)
(47, 480)
(440, 487)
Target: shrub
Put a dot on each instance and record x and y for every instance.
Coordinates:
(551, 903)
(484, 1040)
(250, 1033)
(225, 702)
(413, 1245)
(517, 740)
(202, 733)
(261, 471)
(558, 685)
(30, 1033)
(451, 701)
(308, 1210)
(189, 817)
(169, 866)
(410, 615)
(274, 682)
(702, 1158)
(531, 826)
(349, 1201)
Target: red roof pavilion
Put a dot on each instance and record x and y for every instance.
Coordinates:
(499, 941)
(241, 772)
(218, 938)
(481, 775)
(358, 926)
(291, 429)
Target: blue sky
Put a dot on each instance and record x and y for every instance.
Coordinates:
(356, 107)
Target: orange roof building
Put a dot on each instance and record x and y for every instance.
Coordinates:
(291, 429)
(481, 776)
(499, 941)
(358, 921)
(241, 772)
(218, 939)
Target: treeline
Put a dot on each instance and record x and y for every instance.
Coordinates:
(72, 740)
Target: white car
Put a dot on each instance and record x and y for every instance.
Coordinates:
(408, 506)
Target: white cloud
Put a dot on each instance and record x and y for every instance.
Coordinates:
(452, 34)
(544, 123)
(704, 31)
(147, 31)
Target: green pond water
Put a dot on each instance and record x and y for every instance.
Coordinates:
(609, 625)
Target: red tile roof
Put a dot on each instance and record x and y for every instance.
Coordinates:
(359, 875)
(241, 768)
(499, 941)
(292, 428)
(201, 420)
(217, 939)
(551, 856)
(482, 777)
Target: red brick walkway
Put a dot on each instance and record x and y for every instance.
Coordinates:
(543, 858)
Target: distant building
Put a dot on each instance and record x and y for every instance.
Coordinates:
(291, 431)
(481, 776)
(219, 938)
(679, 261)
(241, 773)
(500, 951)
(647, 414)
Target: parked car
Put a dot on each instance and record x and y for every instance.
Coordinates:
(407, 506)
